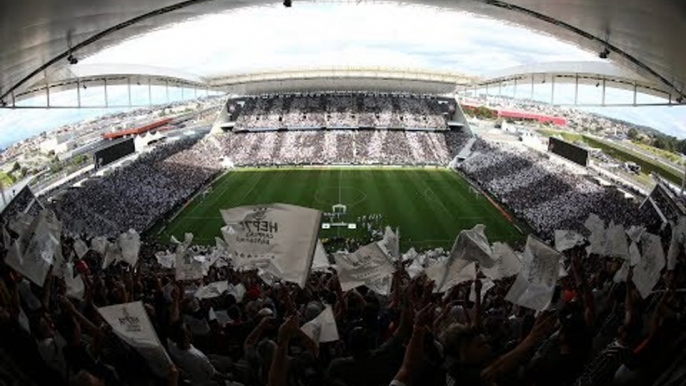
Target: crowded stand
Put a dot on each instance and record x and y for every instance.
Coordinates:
(233, 324)
(344, 111)
(545, 194)
(304, 147)
(136, 196)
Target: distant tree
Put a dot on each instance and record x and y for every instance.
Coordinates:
(633, 134)
(15, 167)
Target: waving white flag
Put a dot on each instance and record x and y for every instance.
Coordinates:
(368, 266)
(33, 254)
(187, 268)
(212, 290)
(279, 238)
(323, 328)
(617, 245)
(506, 262)
(535, 284)
(598, 238)
(130, 244)
(472, 245)
(565, 240)
(320, 262)
(80, 248)
(99, 244)
(130, 322)
(647, 271)
(165, 259)
(390, 244)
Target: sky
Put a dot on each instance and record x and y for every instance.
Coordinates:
(316, 35)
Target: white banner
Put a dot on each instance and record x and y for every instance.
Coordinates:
(535, 284)
(390, 244)
(647, 271)
(368, 266)
(320, 262)
(323, 328)
(130, 322)
(130, 244)
(616, 241)
(565, 240)
(506, 262)
(212, 290)
(486, 286)
(280, 238)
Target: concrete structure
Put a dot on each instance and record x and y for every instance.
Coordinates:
(642, 37)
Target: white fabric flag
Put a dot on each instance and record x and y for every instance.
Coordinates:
(450, 273)
(410, 254)
(238, 292)
(320, 262)
(390, 244)
(278, 238)
(635, 233)
(75, 285)
(535, 284)
(34, 253)
(634, 255)
(622, 273)
(6, 238)
(130, 322)
(112, 254)
(647, 271)
(368, 266)
(212, 290)
(174, 240)
(677, 244)
(417, 267)
(130, 244)
(99, 244)
(616, 241)
(323, 328)
(565, 240)
(187, 268)
(80, 248)
(598, 237)
(165, 259)
(506, 262)
(21, 223)
(472, 245)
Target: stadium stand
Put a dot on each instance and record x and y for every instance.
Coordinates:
(344, 111)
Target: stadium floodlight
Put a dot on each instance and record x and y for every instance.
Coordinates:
(604, 53)
(287, 3)
(72, 59)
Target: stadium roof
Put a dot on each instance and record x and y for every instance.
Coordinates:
(38, 36)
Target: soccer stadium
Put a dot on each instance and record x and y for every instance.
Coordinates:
(343, 193)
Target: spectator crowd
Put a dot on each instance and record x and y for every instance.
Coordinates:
(314, 111)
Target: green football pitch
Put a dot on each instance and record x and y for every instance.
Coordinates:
(430, 206)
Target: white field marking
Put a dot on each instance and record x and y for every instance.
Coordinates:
(359, 201)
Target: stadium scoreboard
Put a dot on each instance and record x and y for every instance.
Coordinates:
(113, 152)
(569, 151)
